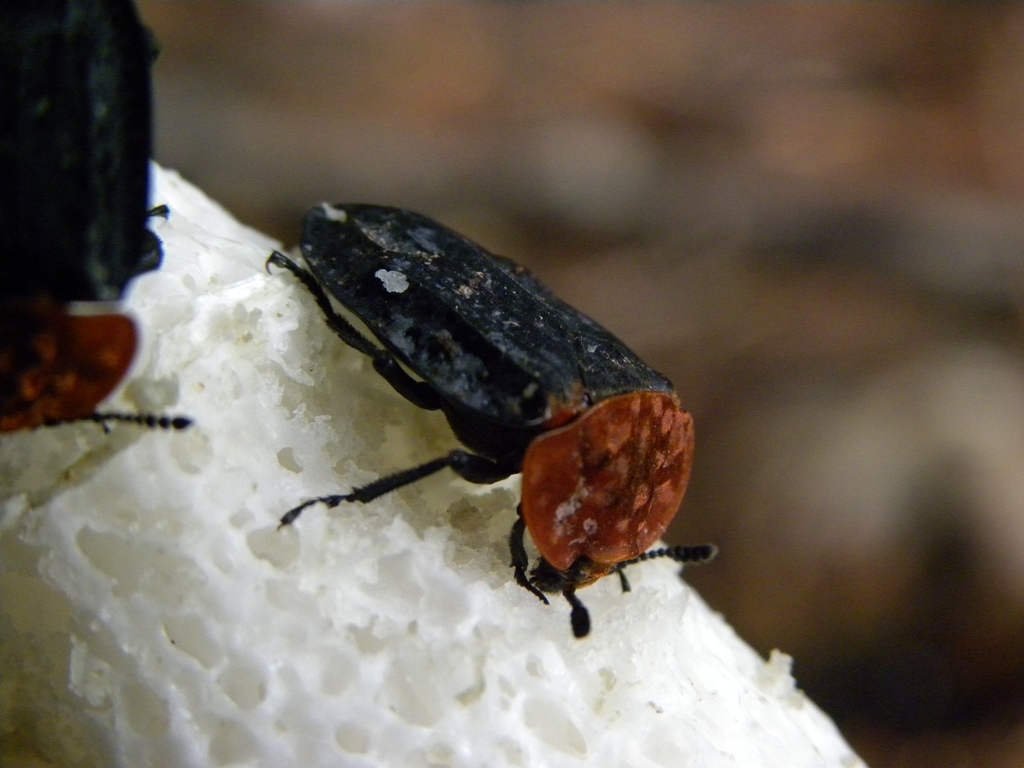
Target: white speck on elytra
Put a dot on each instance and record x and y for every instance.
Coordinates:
(394, 281)
(568, 508)
(333, 214)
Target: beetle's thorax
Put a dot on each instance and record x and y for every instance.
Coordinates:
(607, 485)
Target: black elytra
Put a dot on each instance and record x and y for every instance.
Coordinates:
(509, 364)
(75, 142)
(75, 139)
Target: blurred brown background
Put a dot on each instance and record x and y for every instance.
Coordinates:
(808, 217)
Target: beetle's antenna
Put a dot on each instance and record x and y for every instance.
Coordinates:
(148, 420)
(694, 555)
(699, 553)
(152, 421)
(579, 617)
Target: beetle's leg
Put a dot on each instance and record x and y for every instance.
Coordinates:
(620, 569)
(338, 324)
(416, 392)
(520, 562)
(579, 617)
(152, 249)
(476, 469)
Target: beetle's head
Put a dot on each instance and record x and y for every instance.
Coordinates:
(582, 573)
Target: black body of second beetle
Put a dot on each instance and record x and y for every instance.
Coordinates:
(75, 127)
(75, 141)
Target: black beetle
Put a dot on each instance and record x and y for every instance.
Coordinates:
(75, 126)
(527, 383)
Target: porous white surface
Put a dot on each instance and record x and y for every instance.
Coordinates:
(151, 614)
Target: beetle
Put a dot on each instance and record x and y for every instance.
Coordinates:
(75, 134)
(527, 383)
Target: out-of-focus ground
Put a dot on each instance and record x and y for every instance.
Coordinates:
(809, 217)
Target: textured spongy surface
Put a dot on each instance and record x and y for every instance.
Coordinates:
(151, 614)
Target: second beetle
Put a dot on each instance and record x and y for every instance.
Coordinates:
(526, 382)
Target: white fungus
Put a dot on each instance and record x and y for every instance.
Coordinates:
(152, 614)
